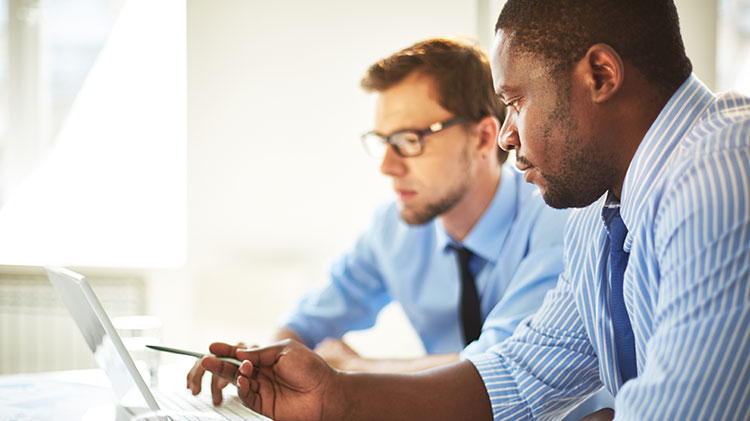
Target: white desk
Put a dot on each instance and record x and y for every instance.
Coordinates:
(86, 395)
(63, 395)
(82, 395)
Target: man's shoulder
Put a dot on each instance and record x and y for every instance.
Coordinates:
(707, 179)
(721, 130)
(720, 138)
(725, 125)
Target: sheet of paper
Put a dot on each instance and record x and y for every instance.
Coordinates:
(47, 396)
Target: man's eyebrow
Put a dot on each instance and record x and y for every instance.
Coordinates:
(504, 90)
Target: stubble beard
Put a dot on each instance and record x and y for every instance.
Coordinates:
(443, 204)
(584, 176)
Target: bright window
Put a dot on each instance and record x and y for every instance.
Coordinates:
(733, 53)
(104, 184)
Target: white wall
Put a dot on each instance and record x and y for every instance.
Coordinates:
(698, 20)
(278, 183)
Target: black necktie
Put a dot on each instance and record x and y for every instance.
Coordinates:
(618, 261)
(471, 316)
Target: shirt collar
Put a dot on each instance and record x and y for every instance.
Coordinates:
(487, 236)
(658, 146)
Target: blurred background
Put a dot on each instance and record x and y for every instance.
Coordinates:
(199, 160)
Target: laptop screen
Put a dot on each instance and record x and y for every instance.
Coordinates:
(100, 335)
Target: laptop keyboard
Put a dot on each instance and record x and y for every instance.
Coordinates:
(180, 404)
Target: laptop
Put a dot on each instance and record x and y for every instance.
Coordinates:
(134, 398)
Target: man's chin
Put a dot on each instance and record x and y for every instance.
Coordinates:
(552, 197)
(426, 212)
(561, 200)
(413, 218)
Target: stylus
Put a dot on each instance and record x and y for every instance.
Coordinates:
(193, 354)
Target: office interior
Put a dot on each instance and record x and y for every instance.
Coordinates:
(199, 160)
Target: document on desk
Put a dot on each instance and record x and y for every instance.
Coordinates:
(59, 396)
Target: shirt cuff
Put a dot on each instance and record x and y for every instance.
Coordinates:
(501, 387)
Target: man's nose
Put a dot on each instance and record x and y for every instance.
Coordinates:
(392, 164)
(509, 139)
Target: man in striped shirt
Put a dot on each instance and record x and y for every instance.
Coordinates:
(604, 114)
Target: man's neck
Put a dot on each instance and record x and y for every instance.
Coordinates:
(637, 114)
(461, 219)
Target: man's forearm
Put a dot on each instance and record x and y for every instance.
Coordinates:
(410, 365)
(451, 392)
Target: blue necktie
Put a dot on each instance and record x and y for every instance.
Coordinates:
(618, 261)
(471, 316)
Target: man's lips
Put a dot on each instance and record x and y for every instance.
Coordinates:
(522, 167)
(522, 164)
(525, 167)
(404, 194)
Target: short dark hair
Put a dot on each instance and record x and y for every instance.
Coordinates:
(461, 73)
(645, 33)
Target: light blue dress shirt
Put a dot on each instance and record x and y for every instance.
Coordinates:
(686, 203)
(518, 256)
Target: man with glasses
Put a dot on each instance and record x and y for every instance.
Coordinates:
(468, 249)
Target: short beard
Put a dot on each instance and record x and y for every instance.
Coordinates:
(579, 184)
(433, 210)
(584, 176)
(442, 205)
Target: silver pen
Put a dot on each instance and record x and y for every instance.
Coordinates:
(194, 354)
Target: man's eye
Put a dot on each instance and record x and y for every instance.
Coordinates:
(408, 139)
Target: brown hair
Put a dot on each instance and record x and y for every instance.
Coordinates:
(461, 73)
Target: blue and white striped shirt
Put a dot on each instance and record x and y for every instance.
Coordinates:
(686, 203)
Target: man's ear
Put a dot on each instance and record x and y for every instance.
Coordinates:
(488, 129)
(603, 72)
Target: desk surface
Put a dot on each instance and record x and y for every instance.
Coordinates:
(73, 395)
(63, 395)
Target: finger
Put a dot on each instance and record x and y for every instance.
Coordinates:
(247, 391)
(246, 369)
(266, 393)
(257, 394)
(221, 349)
(194, 377)
(223, 369)
(217, 383)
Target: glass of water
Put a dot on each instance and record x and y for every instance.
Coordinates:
(136, 333)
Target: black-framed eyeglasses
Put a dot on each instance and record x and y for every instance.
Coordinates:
(406, 143)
